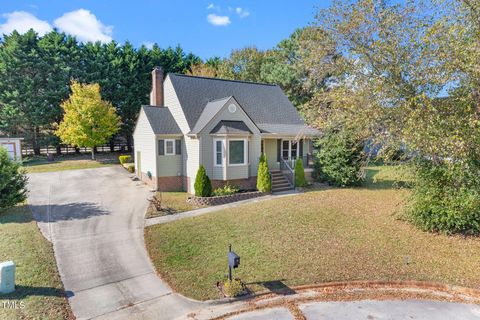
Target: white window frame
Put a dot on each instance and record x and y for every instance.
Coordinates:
(173, 147)
(245, 153)
(290, 142)
(215, 152)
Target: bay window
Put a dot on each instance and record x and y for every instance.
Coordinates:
(237, 152)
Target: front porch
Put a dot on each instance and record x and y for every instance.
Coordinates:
(283, 153)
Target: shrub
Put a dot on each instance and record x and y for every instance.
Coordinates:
(13, 181)
(446, 197)
(226, 190)
(125, 159)
(264, 183)
(131, 168)
(203, 186)
(339, 159)
(299, 174)
(232, 288)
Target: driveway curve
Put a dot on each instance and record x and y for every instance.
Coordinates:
(95, 220)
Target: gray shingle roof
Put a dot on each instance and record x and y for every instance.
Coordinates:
(264, 103)
(161, 120)
(210, 110)
(227, 127)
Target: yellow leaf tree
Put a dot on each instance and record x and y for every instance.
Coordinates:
(88, 120)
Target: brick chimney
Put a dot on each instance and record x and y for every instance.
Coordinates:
(156, 95)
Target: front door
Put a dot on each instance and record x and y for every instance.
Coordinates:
(289, 149)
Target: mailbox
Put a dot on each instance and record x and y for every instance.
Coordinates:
(233, 260)
(7, 277)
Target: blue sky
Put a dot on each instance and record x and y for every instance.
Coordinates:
(206, 28)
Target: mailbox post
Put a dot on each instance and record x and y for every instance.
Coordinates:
(233, 261)
(7, 277)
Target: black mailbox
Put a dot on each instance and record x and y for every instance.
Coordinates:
(233, 260)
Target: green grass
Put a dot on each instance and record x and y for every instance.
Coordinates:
(172, 202)
(38, 283)
(69, 162)
(319, 236)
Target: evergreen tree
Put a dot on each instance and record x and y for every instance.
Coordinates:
(264, 183)
(299, 174)
(27, 88)
(13, 181)
(203, 186)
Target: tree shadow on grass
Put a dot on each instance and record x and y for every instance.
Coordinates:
(22, 292)
(275, 286)
(386, 182)
(53, 213)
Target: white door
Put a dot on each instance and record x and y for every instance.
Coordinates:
(10, 149)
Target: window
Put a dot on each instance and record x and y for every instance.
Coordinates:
(237, 152)
(289, 149)
(169, 147)
(286, 149)
(10, 149)
(293, 150)
(218, 152)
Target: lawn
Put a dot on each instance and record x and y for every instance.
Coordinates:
(39, 293)
(319, 236)
(70, 162)
(172, 202)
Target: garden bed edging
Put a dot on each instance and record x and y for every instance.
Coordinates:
(215, 201)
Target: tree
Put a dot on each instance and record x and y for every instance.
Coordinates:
(28, 87)
(243, 64)
(299, 173)
(202, 69)
(339, 159)
(88, 121)
(264, 183)
(203, 186)
(13, 181)
(399, 60)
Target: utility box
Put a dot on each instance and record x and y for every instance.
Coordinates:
(7, 277)
(233, 260)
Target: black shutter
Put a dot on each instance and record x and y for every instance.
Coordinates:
(178, 146)
(279, 149)
(161, 147)
(300, 152)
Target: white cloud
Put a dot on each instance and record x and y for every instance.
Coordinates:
(218, 20)
(148, 44)
(84, 25)
(210, 6)
(242, 13)
(22, 22)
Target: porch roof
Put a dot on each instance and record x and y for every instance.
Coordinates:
(288, 130)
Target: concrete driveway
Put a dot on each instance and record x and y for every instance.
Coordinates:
(95, 219)
(370, 310)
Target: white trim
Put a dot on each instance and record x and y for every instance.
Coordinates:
(173, 147)
(215, 152)
(245, 153)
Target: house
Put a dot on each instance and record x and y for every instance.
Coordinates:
(13, 145)
(222, 124)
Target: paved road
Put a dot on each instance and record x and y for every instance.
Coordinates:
(95, 219)
(371, 310)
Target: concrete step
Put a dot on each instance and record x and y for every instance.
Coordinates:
(282, 189)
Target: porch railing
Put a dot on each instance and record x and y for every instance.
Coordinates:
(287, 170)
(307, 161)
